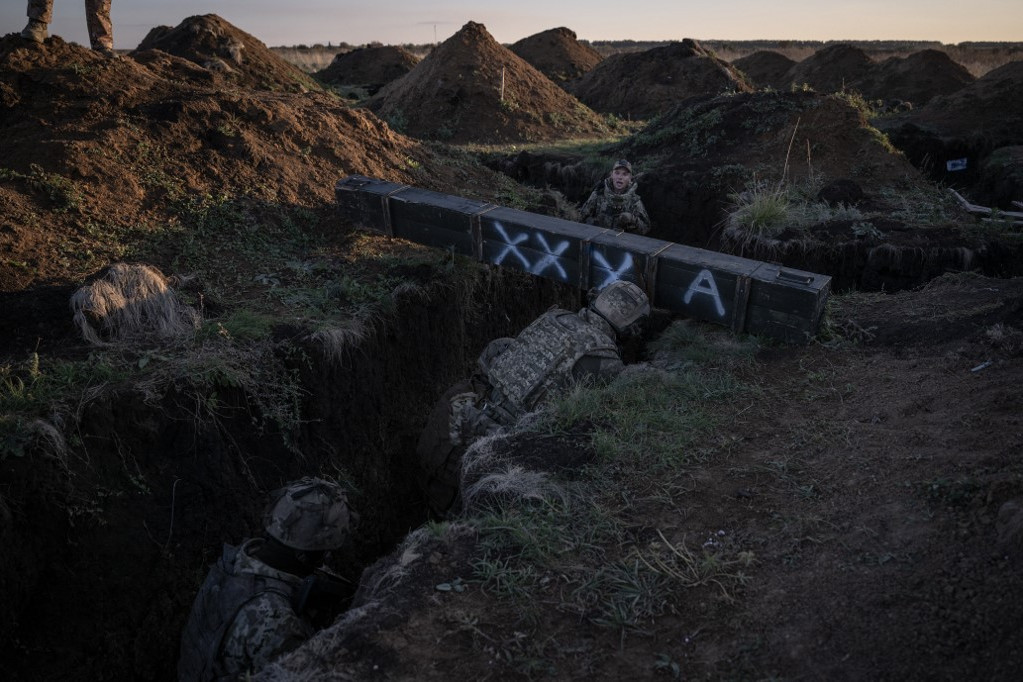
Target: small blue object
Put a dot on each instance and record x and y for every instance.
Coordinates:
(955, 165)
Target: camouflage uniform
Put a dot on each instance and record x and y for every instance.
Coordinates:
(516, 376)
(605, 208)
(97, 17)
(242, 618)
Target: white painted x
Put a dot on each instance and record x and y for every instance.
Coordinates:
(615, 274)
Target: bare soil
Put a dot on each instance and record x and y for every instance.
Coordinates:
(372, 67)
(557, 54)
(473, 89)
(765, 68)
(640, 85)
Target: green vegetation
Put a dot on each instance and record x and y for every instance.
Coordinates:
(571, 543)
(62, 193)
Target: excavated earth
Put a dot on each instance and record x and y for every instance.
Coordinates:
(471, 88)
(876, 479)
(557, 54)
(370, 67)
(641, 85)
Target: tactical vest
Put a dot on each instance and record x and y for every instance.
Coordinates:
(541, 358)
(220, 599)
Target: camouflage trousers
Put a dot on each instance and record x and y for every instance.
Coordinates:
(97, 17)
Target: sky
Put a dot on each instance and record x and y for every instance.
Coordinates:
(294, 22)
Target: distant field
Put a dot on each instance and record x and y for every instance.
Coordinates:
(979, 58)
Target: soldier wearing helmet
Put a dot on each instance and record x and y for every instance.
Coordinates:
(249, 609)
(615, 204)
(516, 375)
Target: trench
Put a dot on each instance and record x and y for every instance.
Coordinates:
(687, 205)
(104, 554)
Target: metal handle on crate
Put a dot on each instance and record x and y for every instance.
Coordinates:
(797, 277)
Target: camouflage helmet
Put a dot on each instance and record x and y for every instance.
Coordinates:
(621, 303)
(622, 163)
(310, 514)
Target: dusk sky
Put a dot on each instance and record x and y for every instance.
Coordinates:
(292, 22)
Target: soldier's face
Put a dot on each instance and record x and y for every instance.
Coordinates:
(620, 178)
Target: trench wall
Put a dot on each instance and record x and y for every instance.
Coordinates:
(105, 549)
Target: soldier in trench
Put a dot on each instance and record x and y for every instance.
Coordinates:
(515, 375)
(614, 204)
(257, 600)
(97, 18)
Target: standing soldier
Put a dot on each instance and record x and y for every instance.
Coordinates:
(97, 17)
(615, 204)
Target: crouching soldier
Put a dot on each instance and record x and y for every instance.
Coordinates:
(516, 375)
(252, 606)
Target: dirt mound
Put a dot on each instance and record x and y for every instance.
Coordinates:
(372, 67)
(643, 84)
(832, 69)
(97, 144)
(557, 54)
(696, 156)
(472, 89)
(219, 46)
(967, 124)
(918, 78)
(765, 68)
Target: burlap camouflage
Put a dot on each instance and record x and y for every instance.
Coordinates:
(242, 618)
(97, 18)
(617, 211)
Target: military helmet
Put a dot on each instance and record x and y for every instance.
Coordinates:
(621, 303)
(310, 514)
(622, 163)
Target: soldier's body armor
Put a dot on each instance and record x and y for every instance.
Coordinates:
(541, 359)
(220, 599)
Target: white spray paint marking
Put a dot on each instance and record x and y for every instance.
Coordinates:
(548, 260)
(616, 272)
(704, 284)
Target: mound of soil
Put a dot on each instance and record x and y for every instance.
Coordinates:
(640, 85)
(116, 143)
(371, 67)
(917, 79)
(695, 156)
(219, 46)
(473, 89)
(968, 124)
(832, 69)
(557, 54)
(765, 68)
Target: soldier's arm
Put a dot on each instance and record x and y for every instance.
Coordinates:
(589, 209)
(642, 220)
(267, 627)
(600, 365)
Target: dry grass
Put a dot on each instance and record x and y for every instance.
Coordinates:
(131, 302)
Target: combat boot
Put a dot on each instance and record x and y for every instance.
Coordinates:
(35, 31)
